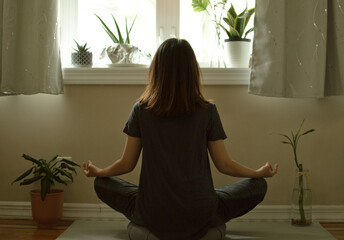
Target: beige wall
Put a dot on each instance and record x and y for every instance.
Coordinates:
(87, 121)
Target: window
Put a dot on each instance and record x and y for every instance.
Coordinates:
(88, 29)
(156, 20)
(198, 27)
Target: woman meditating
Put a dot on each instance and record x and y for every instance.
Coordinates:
(175, 127)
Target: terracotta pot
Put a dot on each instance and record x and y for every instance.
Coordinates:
(47, 213)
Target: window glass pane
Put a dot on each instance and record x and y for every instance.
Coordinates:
(90, 29)
(199, 29)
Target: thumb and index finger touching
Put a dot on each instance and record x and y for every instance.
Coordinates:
(273, 170)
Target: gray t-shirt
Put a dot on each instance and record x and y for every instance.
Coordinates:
(176, 197)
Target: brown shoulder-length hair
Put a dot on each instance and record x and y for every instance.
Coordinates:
(174, 86)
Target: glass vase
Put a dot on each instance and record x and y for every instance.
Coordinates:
(217, 59)
(301, 208)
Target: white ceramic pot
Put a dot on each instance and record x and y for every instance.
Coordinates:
(237, 53)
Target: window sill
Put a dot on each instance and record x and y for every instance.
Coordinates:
(138, 76)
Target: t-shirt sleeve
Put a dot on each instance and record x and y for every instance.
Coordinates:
(215, 129)
(132, 126)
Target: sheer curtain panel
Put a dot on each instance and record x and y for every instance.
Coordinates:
(298, 48)
(29, 47)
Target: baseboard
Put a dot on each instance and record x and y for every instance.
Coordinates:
(72, 211)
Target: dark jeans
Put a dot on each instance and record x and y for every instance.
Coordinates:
(234, 200)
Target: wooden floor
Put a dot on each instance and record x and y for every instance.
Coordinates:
(336, 229)
(15, 229)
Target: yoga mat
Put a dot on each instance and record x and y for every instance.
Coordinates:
(117, 230)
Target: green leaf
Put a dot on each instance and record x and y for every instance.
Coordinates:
(127, 40)
(30, 180)
(200, 5)
(54, 158)
(59, 180)
(65, 173)
(248, 31)
(68, 167)
(43, 162)
(120, 38)
(23, 175)
(293, 136)
(132, 24)
(248, 14)
(231, 13)
(228, 22)
(70, 162)
(243, 12)
(128, 32)
(298, 131)
(27, 157)
(108, 31)
(38, 171)
(46, 184)
(234, 33)
(309, 131)
(286, 142)
(228, 33)
(231, 19)
(286, 136)
(240, 25)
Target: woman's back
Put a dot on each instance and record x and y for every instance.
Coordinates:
(175, 181)
(174, 125)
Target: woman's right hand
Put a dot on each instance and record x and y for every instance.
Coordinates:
(90, 170)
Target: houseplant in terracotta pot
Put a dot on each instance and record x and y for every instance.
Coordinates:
(237, 46)
(47, 203)
(302, 196)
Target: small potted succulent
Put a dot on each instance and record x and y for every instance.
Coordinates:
(237, 46)
(122, 52)
(302, 195)
(82, 57)
(46, 202)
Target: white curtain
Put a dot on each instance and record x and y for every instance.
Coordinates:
(29, 47)
(298, 48)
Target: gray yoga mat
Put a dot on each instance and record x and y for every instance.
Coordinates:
(117, 230)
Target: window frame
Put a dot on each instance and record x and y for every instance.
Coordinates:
(167, 25)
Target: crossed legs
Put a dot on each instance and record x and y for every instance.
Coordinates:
(235, 199)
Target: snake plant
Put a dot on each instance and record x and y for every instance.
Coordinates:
(48, 172)
(119, 38)
(237, 23)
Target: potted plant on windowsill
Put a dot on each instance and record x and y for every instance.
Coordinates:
(47, 203)
(123, 52)
(82, 57)
(237, 46)
(302, 195)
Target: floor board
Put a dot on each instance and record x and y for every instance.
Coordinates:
(19, 229)
(336, 229)
(24, 229)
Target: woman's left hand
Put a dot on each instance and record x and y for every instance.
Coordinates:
(267, 170)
